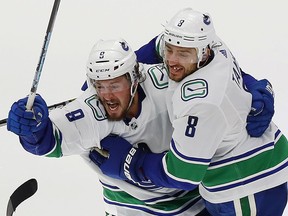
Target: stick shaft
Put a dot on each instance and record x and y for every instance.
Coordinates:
(42, 55)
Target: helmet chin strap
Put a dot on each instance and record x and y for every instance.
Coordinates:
(203, 56)
(133, 90)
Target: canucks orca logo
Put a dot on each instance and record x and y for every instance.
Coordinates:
(191, 89)
(96, 107)
(124, 45)
(206, 19)
(158, 76)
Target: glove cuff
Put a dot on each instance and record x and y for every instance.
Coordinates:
(40, 142)
(133, 165)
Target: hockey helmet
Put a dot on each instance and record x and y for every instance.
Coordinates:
(191, 29)
(110, 59)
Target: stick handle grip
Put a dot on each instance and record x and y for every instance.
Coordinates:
(30, 100)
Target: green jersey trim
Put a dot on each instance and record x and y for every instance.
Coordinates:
(174, 204)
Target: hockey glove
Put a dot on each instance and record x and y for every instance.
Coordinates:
(26, 123)
(124, 161)
(262, 109)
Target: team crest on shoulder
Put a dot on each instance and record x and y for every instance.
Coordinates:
(158, 76)
(191, 89)
(96, 107)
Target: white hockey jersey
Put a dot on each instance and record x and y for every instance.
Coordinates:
(83, 124)
(210, 145)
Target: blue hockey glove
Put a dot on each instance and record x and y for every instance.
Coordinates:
(262, 109)
(24, 122)
(124, 161)
(34, 128)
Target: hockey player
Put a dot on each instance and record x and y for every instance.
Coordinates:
(78, 127)
(210, 148)
(117, 101)
(262, 109)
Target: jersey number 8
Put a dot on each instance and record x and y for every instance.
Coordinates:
(191, 126)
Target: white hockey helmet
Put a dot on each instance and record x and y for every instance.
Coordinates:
(191, 29)
(110, 59)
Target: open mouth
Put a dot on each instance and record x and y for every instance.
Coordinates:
(112, 106)
(174, 70)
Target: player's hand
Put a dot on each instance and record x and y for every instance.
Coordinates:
(124, 161)
(25, 122)
(262, 109)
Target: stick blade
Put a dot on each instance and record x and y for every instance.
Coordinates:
(23, 192)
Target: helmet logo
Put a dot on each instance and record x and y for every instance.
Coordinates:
(206, 19)
(124, 46)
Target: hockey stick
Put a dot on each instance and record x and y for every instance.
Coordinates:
(23, 192)
(42, 56)
(3, 122)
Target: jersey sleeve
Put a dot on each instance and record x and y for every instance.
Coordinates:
(194, 141)
(82, 124)
(150, 53)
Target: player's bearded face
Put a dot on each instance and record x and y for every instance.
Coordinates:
(180, 61)
(115, 96)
